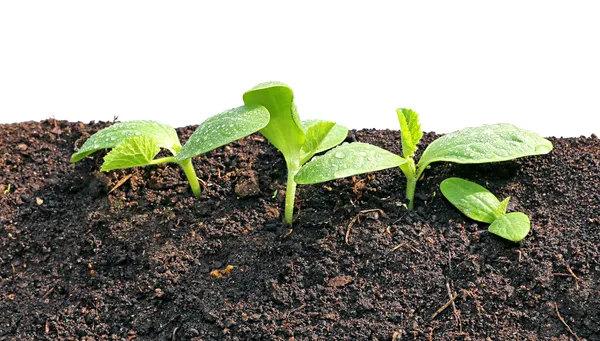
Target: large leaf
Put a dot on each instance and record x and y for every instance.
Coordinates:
(488, 143)
(410, 131)
(284, 130)
(131, 152)
(165, 135)
(336, 135)
(347, 160)
(512, 226)
(472, 200)
(224, 128)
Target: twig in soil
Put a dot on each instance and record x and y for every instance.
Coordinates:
(294, 310)
(565, 323)
(174, 332)
(49, 292)
(577, 279)
(408, 245)
(456, 314)
(120, 183)
(444, 306)
(357, 217)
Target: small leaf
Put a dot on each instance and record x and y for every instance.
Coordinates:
(410, 131)
(471, 199)
(512, 226)
(347, 160)
(502, 207)
(488, 143)
(224, 128)
(314, 135)
(131, 152)
(110, 137)
(336, 135)
(284, 130)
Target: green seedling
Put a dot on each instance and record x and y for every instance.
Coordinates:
(297, 140)
(136, 143)
(479, 204)
(7, 190)
(488, 143)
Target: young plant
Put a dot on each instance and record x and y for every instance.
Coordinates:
(488, 143)
(297, 140)
(136, 143)
(479, 204)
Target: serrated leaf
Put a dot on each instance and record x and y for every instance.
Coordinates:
(488, 143)
(284, 130)
(471, 199)
(131, 152)
(410, 131)
(224, 128)
(110, 137)
(336, 135)
(512, 226)
(347, 160)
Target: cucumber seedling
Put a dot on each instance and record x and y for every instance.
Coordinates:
(297, 140)
(487, 143)
(477, 203)
(136, 143)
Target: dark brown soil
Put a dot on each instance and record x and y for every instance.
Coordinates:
(80, 263)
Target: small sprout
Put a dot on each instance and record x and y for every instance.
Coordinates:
(7, 190)
(136, 143)
(275, 194)
(477, 203)
(297, 140)
(488, 143)
(222, 273)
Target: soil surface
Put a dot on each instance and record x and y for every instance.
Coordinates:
(132, 254)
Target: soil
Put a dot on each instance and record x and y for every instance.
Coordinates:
(83, 260)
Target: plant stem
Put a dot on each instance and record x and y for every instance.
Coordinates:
(411, 184)
(162, 160)
(190, 173)
(290, 194)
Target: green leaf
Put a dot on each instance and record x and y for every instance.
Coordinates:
(512, 226)
(488, 143)
(314, 135)
(336, 135)
(131, 152)
(224, 128)
(502, 207)
(284, 130)
(471, 199)
(347, 160)
(410, 131)
(110, 137)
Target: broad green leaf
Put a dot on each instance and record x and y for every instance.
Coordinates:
(131, 152)
(512, 226)
(110, 137)
(336, 135)
(347, 160)
(224, 128)
(314, 135)
(410, 131)
(284, 130)
(488, 143)
(471, 199)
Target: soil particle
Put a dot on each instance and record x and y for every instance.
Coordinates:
(135, 263)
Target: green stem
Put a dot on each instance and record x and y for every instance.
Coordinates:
(411, 184)
(190, 173)
(162, 160)
(290, 194)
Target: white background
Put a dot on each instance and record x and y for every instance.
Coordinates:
(457, 63)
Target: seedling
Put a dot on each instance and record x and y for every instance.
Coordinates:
(136, 143)
(488, 143)
(479, 204)
(297, 140)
